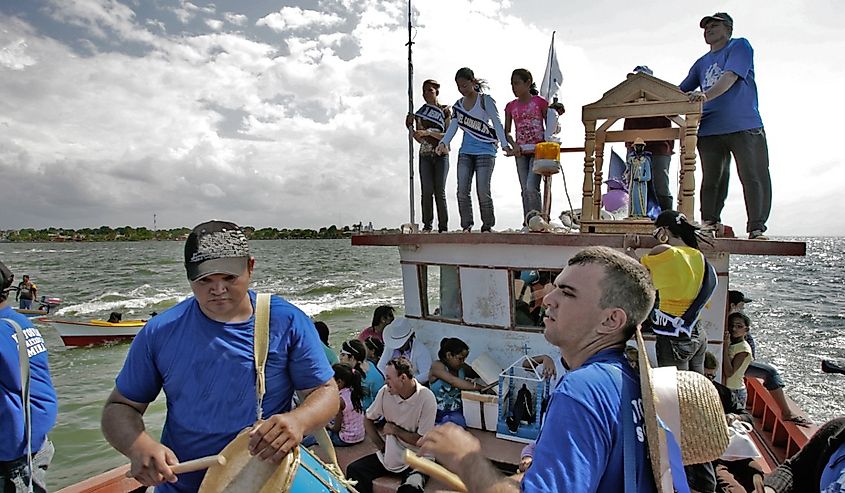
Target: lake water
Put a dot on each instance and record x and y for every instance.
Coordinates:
(798, 316)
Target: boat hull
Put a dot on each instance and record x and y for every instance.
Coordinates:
(93, 333)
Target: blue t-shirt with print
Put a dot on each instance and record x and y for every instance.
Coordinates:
(207, 371)
(833, 475)
(736, 109)
(44, 405)
(580, 447)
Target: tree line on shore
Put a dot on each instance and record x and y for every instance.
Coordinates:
(129, 233)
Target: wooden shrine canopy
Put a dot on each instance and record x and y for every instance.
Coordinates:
(640, 95)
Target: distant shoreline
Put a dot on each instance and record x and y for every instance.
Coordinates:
(128, 233)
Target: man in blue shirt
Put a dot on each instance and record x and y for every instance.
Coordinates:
(730, 124)
(200, 352)
(595, 412)
(14, 469)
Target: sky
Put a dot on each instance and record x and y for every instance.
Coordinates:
(290, 114)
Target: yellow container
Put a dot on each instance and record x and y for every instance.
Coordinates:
(547, 150)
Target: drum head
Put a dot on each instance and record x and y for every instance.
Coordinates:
(244, 473)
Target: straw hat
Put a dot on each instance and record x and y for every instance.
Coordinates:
(689, 405)
(244, 473)
(397, 334)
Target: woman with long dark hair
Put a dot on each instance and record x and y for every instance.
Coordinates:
(429, 125)
(685, 281)
(449, 375)
(476, 114)
(528, 113)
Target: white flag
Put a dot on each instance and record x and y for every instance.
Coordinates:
(552, 77)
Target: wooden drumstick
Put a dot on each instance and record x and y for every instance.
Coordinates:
(198, 464)
(194, 465)
(434, 469)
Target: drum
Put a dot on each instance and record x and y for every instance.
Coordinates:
(314, 476)
(300, 472)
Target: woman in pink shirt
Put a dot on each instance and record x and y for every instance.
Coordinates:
(528, 111)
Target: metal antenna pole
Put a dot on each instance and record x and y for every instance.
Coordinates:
(411, 112)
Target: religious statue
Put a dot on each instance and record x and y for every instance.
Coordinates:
(638, 174)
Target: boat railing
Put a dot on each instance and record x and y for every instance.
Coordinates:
(784, 437)
(111, 481)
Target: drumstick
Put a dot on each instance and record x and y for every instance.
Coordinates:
(198, 464)
(194, 465)
(434, 469)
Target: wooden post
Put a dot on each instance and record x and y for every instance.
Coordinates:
(686, 202)
(598, 173)
(589, 160)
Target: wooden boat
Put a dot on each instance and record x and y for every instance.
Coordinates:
(77, 333)
(45, 305)
(470, 285)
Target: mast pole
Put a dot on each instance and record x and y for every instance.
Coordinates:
(410, 112)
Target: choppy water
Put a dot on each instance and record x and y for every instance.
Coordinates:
(798, 316)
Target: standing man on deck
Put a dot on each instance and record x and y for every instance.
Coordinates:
(598, 301)
(730, 124)
(27, 291)
(200, 352)
(14, 450)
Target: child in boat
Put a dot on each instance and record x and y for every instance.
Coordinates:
(375, 347)
(347, 427)
(478, 117)
(354, 354)
(739, 356)
(528, 112)
(449, 375)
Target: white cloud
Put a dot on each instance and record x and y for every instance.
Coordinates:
(214, 24)
(236, 19)
(302, 134)
(101, 18)
(290, 18)
(13, 55)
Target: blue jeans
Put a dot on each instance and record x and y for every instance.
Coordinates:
(456, 417)
(14, 475)
(685, 353)
(529, 182)
(751, 151)
(481, 166)
(433, 171)
(771, 378)
(26, 304)
(741, 396)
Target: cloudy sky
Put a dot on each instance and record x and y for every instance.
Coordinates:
(289, 114)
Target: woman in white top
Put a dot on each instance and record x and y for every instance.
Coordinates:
(476, 114)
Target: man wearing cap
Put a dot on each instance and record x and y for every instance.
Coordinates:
(200, 352)
(595, 412)
(730, 124)
(661, 150)
(15, 452)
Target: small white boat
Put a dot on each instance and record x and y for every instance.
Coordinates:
(44, 307)
(78, 333)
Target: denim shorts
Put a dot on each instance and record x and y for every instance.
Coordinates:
(14, 475)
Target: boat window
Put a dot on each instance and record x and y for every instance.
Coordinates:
(529, 288)
(441, 291)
